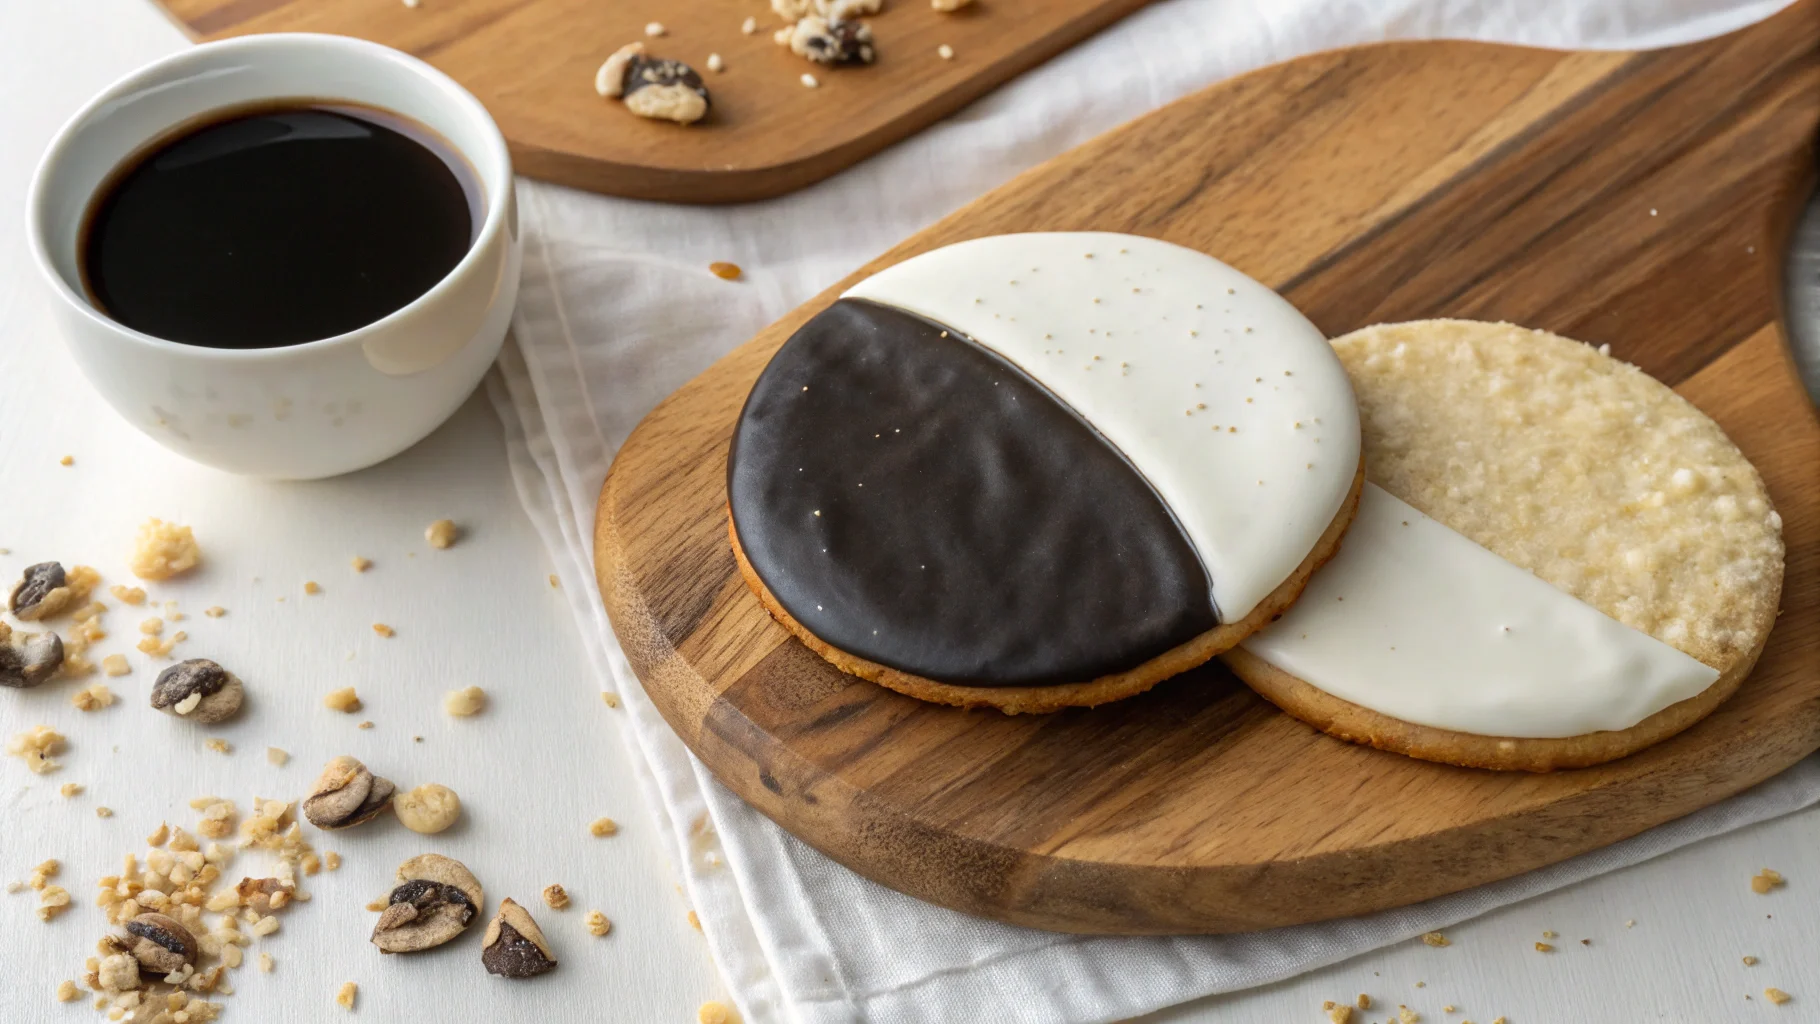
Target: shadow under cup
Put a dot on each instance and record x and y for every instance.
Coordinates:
(306, 410)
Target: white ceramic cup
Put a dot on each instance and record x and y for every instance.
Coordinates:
(302, 411)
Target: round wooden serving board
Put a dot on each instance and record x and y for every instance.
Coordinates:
(1637, 199)
(532, 63)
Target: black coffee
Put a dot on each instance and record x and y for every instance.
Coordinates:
(276, 225)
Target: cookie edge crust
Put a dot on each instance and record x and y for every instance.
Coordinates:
(1014, 700)
(1347, 721)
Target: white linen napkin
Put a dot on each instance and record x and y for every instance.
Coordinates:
(617, 310)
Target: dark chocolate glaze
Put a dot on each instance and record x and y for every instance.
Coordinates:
(972, 529)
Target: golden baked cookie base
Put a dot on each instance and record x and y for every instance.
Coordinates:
(1014, 700)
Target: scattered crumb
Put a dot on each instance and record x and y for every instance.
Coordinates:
(656, 28)
(554, 582)
(35, 747)
(809, 81)
(1338, 1013)
(214, 611)
(70, 789)
(1548, 934)
(266, 962)
(1765, 880)
(1448, 1008)
(365, 725)
(163, 550)
(412, 3)
(464, 703)
(67, 460)
(312, 587)
(52, 900)
(1631, 923)
(1543, 947)
(712, 1012)
(1435, 939)
(442, 533)
(694, 921)
(152, 627)
(555, 897)
(1750, 961)
(1405, 1015)
(949, 6)
(384, 630)
(604, 827)
(597, 923)
(115, 665)
(345, 997)
(609, 698)
(104, 812)
(92, 698)
(724, 270)
(344, 700)
(66, 989)
(220, 746)
(1776, 996)
(126, 594)
(1364, 1001)
(331, 860)
(155, 647)
(715, 63)
(945, 52)
(277, 756)
(749, 26)
(361, 564)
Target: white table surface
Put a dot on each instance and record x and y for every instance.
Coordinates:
(545, 759)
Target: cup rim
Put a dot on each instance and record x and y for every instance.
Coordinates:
(494, 167)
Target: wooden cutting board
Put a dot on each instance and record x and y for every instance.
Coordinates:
(532, 63)
(1635, 199)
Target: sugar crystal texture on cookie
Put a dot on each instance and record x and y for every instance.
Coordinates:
(1042, 460)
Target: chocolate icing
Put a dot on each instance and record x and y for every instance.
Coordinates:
(971, 529)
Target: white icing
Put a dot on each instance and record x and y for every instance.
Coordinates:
(1226, 399)
(1415, 621)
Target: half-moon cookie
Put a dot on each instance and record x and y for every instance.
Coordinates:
(1557, 561)
(1042, 470)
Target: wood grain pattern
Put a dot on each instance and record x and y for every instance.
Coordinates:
(1640, 200)
(532, 63)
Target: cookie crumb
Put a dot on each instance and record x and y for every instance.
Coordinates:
(163, 550)
(220, 746)
(597, 923)
(344, 700)
(724, 270)
(945, 52)
(442, 533)
(365, 725)
(712, 1012)
(655, 29)
(1765, 880)
(1338, 1013)
(276, 756)
(464, 703)
(1405, 1015)
(715, 63)
(749, 26)
(1543, 947)
(1549, 934)
(344, 997)
(1364, 1001)
(66, 989)
(67, 460)
(92, 698)
(609, 698)
(35, 746)
(70, 789)
(384, 630)
(312, 587)
(1776, 996)
(555, 897)
(809, 81)
(361, 564)
(604, 827)
(694, 921)
(266, 963)
(104, 812)
(126, 594)
(1435, 939)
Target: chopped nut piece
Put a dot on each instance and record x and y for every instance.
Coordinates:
(555, 897)
(653, 87)
(712, 1012)
(428, 809)
(597, 923)
(104, 812)
(129, 595)
(1364, 1001)
(70, 788)
(156, 647)
(343, 700)
(604, 827)
(442, 533)
(1750, 961)
(115, 665)
(35, 747)
(66, 991)
(726, 272)
(276, 756)
(384, 630)
(200, 690)
(264, 895)
(1405, 1015)
(28, 659)
(1543, 947)
(159, 835)
(163, 550)
(514, 947)
(555, 583)
(346, 794)
(1765, 880)
(1339, 1013)
(214, 611)
(92, 698)
(1776, 996)
(465, 702)
(609, 698)
(41, 592)
(266, 963)
(219, 746)
(436, 899)
(331, 860)
(694, 920)
(1435, 939)
(365, 725)
(312, 587)
(344, 997)
(832, 42)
